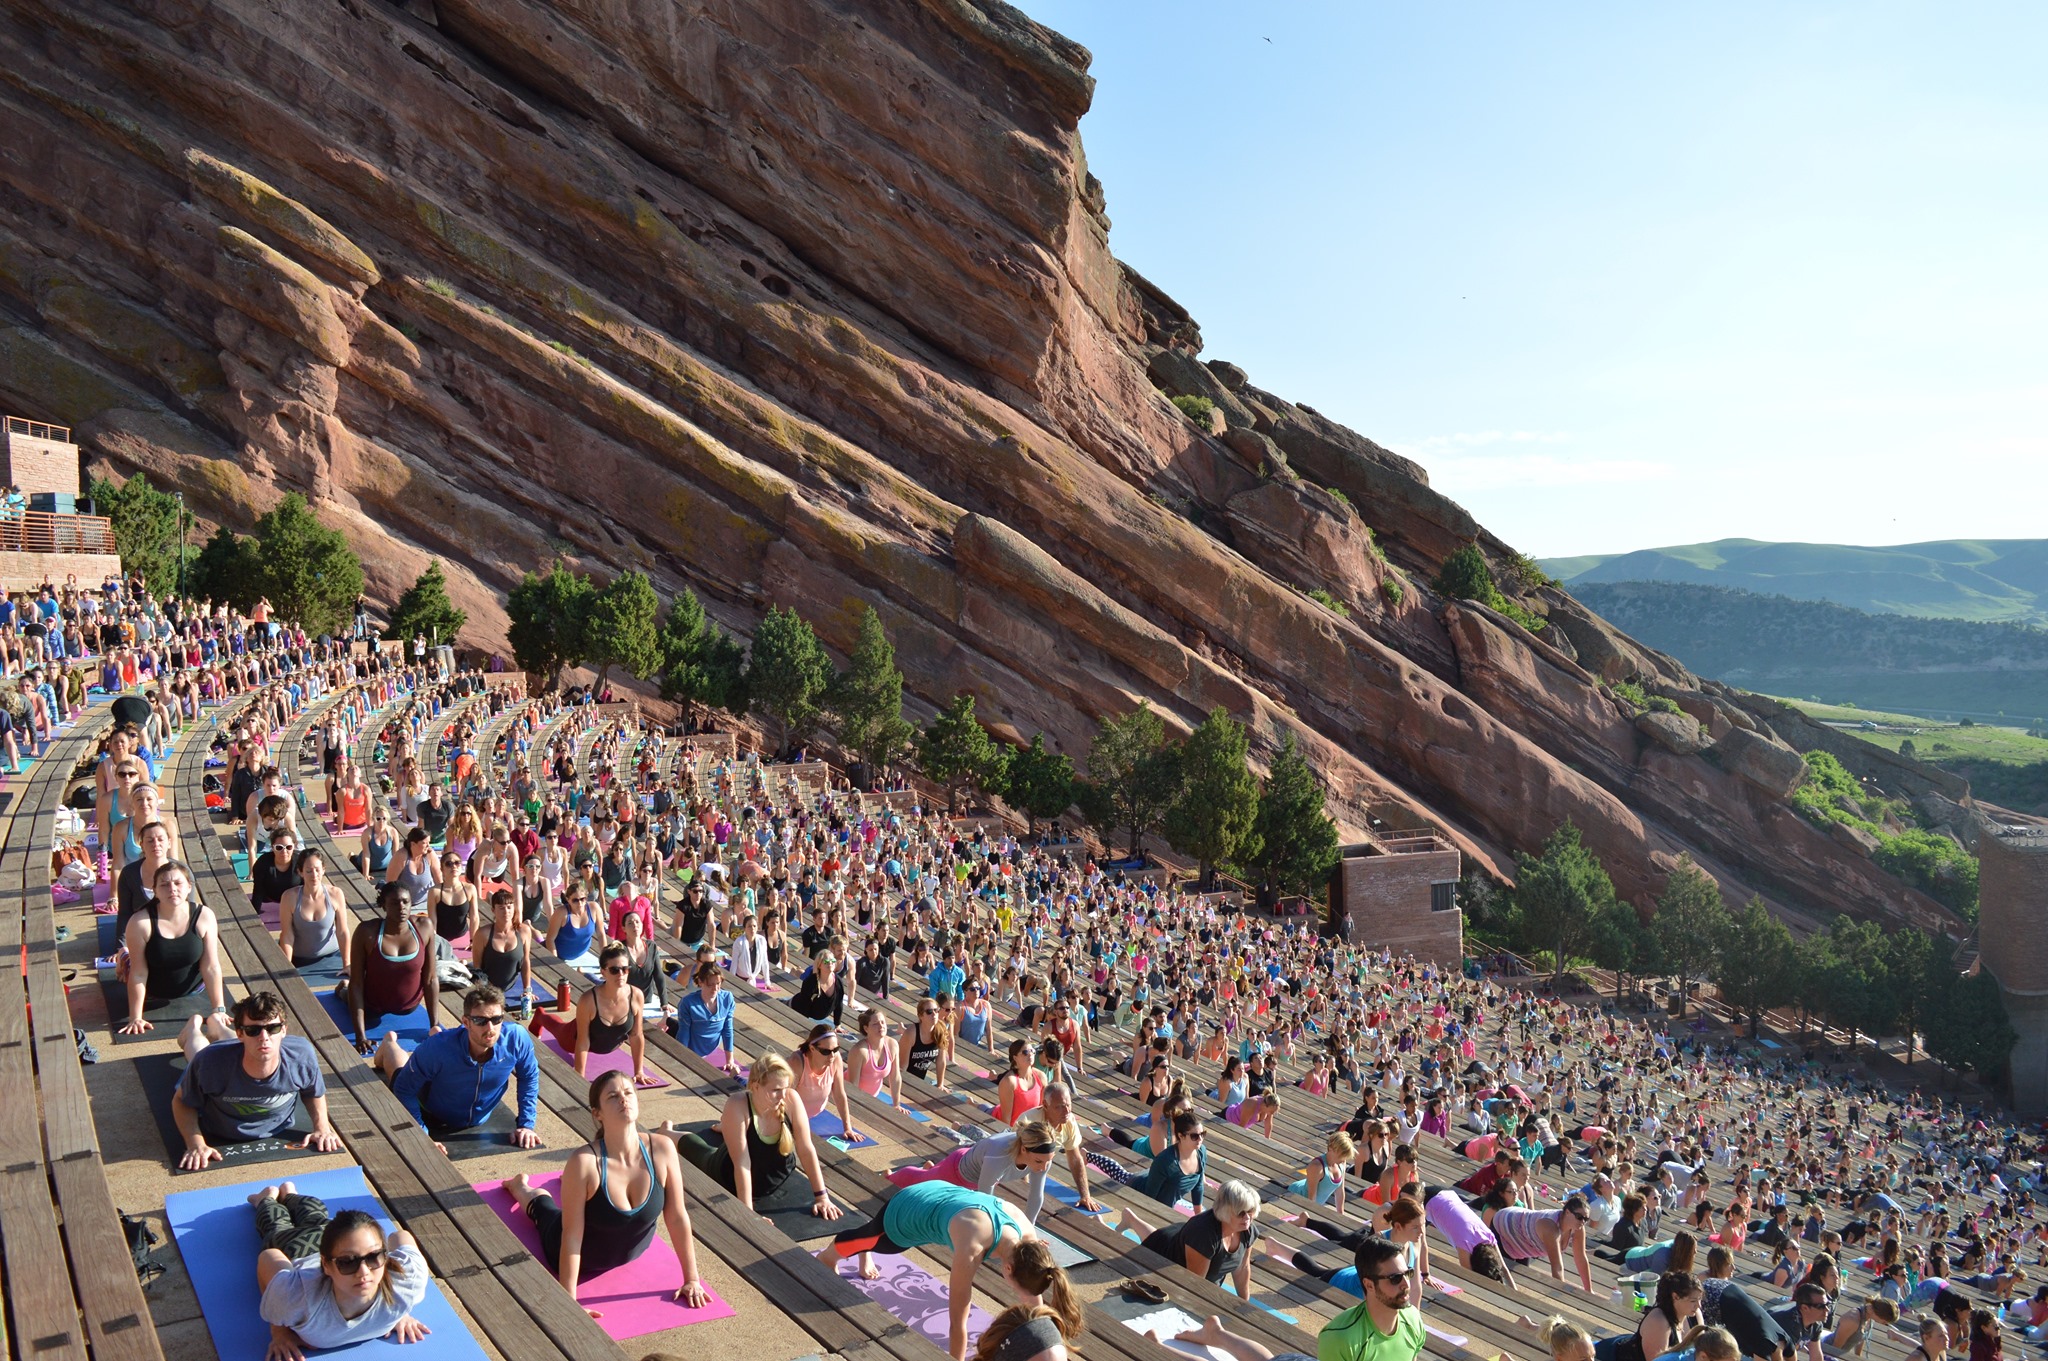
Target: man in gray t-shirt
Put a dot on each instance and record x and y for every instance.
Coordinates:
(250, 1086)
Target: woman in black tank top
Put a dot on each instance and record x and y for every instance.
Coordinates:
(609, 1015)
(172, 950)
(503, 950)
(614, 1192)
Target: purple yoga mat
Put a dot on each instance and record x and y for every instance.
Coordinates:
(915, 1296)
(620, 1060)
(635, 1299)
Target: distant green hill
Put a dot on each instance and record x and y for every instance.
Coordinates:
(1810, 649)
(1981, 579)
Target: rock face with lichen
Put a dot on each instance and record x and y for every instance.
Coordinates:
(797, 304)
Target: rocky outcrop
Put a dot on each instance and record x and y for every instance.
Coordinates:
(793, 304)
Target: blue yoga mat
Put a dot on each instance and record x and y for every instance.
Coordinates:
(826, 1125)
(1068, 1196)
(411, 1025)
(914, 1114)
(216, 1235)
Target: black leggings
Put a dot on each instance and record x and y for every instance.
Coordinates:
(1349, 1239)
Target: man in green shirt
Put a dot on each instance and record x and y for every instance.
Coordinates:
(1384, 1328)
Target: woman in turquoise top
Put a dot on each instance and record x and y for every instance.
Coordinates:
(930, 1214)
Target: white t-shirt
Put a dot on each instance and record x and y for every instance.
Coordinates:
(300, 1299)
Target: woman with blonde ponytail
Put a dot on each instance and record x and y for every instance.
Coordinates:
(1046, 1316)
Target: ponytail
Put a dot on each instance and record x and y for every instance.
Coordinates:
(1033, 1268)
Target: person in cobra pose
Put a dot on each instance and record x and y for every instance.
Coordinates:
(174, 952)
(1023, 1154)
(574, 925)
(874, 1062)
(417, 872)
(614, 1191)
(390, 965)
(454, 904)
(502, 953)
(309, 916)
(1022, 1089)
(607, 1017)
(379, 846)
(975, 1226)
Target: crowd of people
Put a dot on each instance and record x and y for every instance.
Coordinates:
(675, 874)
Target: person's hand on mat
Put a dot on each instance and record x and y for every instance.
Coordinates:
(693, 1295)
(440, 1148)
(1090, 1204)
(410, 1329)
(823, 1208)
(284, 1345)
(136, 1025)
(321, 1140)
(525, 1138)
(643, 1078)
(198, 1156)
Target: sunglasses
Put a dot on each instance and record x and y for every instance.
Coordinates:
(485, 1022)
(255, 1030)
(824, 1049)
(350, 1264)
(617, 970)
(1397, 1276)
(1197, 1135)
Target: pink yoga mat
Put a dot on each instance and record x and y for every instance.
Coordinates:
(637, 1298)
(915, 1296)
(620, 1060)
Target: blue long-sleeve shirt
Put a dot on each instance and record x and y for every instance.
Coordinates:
(705, 1026)
(443, 1083)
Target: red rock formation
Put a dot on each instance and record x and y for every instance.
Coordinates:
(791, 303)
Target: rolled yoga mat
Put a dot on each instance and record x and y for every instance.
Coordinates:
(216, 1235)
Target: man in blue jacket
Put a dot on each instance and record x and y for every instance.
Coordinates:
(454, 1079)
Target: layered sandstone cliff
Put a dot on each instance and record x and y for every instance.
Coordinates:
(802, 303)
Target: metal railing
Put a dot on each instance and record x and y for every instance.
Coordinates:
(18, 425)
(42, 531)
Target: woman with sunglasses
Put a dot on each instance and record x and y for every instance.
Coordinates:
(454, 904)
(275, 874)
(821, 1076)
(1022, 1089)
(573, 926)
(1023, 1154)
(614, 1191)
(926, 1047)
(1526, 1235)
(333, 1282)
(1177, 1171)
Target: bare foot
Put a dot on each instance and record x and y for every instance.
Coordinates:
(266, 1193)
(519, 1187)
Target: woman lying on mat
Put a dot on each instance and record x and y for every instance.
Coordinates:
(614, 1191)
(762, 1142)
(333, 1282)
(934, 1214)
(173, 952)
(1023, 1154)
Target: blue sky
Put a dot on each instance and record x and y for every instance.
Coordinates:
(1618, 275)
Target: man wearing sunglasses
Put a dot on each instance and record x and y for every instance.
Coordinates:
(250, 1087)
(456, 1077)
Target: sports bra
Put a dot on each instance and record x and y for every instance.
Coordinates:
(605, 1036)
(876, 1070)
(573, 941)
(501, 966)
(174, 962)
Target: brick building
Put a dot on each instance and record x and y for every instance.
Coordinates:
(2012, 930)
(1399, 892)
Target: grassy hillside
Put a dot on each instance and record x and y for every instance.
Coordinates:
(1815, 650)
(2007, 766)
(1977, 579)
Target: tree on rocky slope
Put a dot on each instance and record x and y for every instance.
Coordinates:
(147, 531)
(1687, 930)
(547, 613)
(956, 750)
(1039, 782)
(308, 571)
(1757, 968)
(226, 569)
(1296, 840)
(1213, 814)
(1133, 775)
(868, 697)
(700, 662)
(1561, 898)
(788, 674)
(619, 628)
(425, 611)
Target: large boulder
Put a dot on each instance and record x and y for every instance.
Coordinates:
(1771, 766)
(1677, 733)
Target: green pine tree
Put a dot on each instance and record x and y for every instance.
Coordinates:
(547, 611)
(1040, 782)
(1133, 775)
(619, 628)
(1687, 930)
(700, 662)
(226, 569)
(1295, 839)
(308, 571)
(1560, 898)
(1212, 817)
(425, 611)
(955, 750)
(868, 697)
(788, 674)
(1757, 968)
(147, 531)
